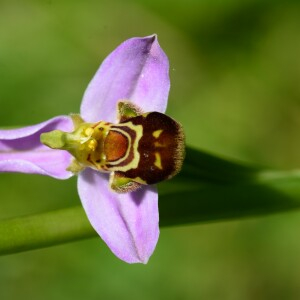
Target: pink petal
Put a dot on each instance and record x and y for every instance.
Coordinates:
(128, 223)
(138, 70)
(21, 150)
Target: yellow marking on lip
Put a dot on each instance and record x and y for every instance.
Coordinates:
(136, 155)
(158, 145)
(157, 162)
(139, 180)
(157, 133)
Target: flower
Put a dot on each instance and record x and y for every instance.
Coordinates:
(137, 70)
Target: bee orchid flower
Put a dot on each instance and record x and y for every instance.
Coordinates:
(138, 71)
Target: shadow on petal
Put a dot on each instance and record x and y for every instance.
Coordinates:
(139, 195)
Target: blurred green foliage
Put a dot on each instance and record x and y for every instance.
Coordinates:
(235, 69)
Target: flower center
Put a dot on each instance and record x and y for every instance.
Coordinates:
(86, 144)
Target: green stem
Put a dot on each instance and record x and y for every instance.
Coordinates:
(43, 230)
(208, 189)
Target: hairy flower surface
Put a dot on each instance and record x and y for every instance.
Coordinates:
(137, 70)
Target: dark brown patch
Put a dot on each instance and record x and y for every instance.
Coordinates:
(170, 146)
(89, 158)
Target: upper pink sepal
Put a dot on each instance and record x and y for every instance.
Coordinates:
(137, 70)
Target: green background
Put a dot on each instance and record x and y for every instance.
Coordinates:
(235, 71)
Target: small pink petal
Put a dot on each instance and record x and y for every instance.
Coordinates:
(137, 70)
(128, 223)
(21, 150)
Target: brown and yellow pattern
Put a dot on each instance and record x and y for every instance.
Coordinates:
(143, 148)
